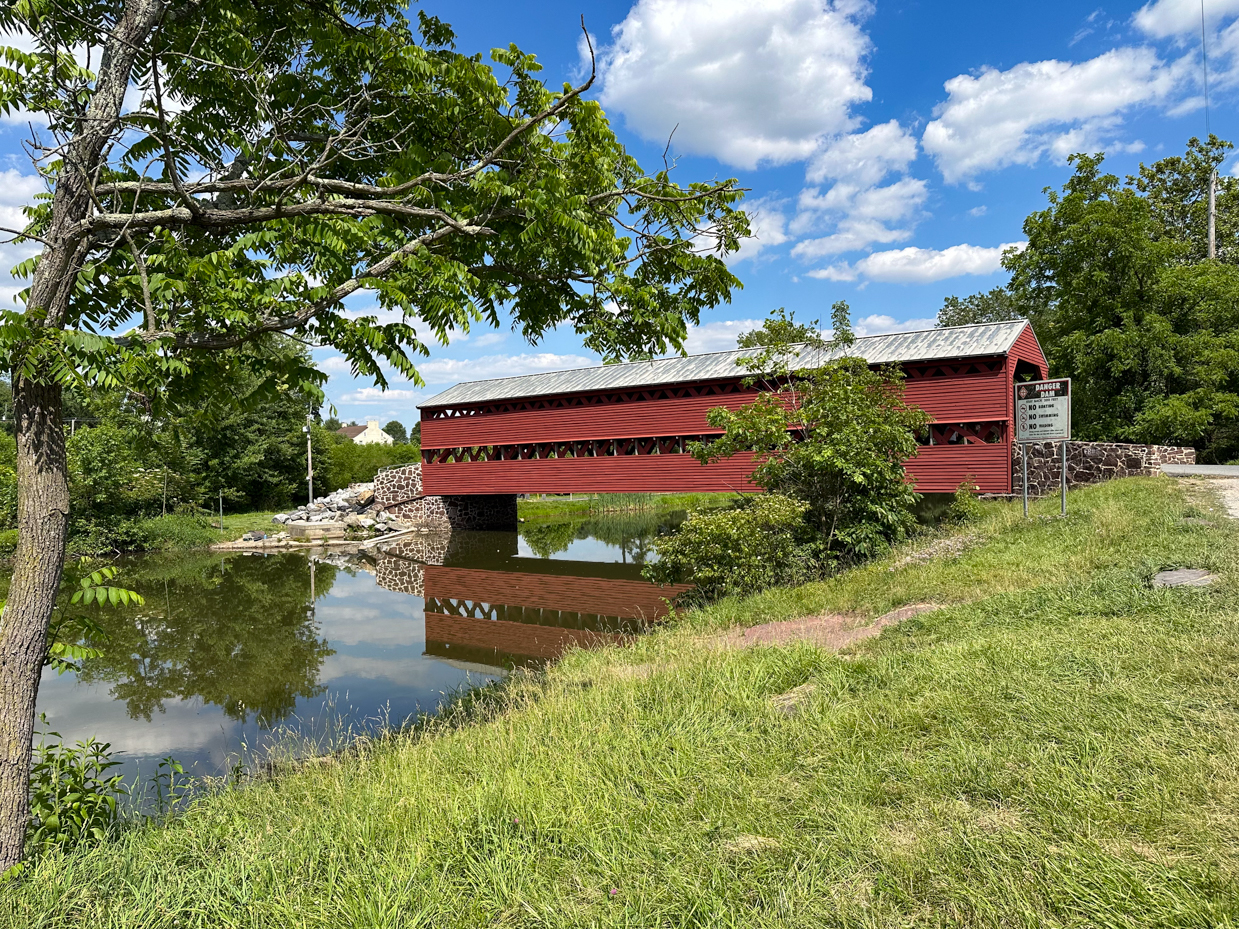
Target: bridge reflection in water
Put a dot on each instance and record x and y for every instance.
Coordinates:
(485, 603)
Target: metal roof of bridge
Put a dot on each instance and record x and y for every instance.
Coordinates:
(986, 339)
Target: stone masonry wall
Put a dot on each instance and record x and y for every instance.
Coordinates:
(400, 575)
(1090, 463)
(399, 492)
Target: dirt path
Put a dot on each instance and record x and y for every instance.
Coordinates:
(1229, 489)
(1225, 487)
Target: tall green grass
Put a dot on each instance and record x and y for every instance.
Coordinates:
(557, 507)
(1058, 746)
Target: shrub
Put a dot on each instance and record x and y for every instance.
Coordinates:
(73, 798)
(825, 429)
(965, 507)
(762, 542)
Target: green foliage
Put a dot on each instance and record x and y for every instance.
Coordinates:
(550, 538)
(1176, 189)
(1054, 747)
(994, 306)
(1125, 301)
(826, 430)
(468, 186)
(348, 463)
(965, 507)
(396, 430)
(73, 636)
(762, 542)
(73, 798)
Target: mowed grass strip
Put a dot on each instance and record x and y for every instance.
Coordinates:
(1058, 746)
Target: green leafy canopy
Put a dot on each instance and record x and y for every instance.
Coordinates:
(287, 155)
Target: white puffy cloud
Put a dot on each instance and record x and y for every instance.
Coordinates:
(919, 265)
(719, 336)
(452, 370)
(1162, 19)
(994, 118)
(744, 82)
(861, 216)
(856, 210)
(490, 338)
(16, 191)
(373, 395)
(768, 225)
(878, 324)
(864, 158)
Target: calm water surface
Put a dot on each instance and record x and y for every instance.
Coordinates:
(228, 649)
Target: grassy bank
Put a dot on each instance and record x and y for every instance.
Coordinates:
(560, 507)
(175, 532)
(1059, 746)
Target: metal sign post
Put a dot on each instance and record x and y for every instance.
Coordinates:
(1043, 414)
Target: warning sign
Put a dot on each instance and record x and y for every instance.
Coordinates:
(1043, 411)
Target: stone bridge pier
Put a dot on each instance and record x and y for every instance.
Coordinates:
(399, 491)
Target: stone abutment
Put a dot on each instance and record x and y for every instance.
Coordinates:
(399, 492)
(1090, 463)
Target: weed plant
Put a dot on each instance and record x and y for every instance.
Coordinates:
(1057, 746)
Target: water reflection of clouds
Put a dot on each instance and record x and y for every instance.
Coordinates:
(377, 667)
(405, 672)
(80, 712)
(357, 610)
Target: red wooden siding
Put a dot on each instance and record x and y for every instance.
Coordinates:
(522, 640)
(598, 595)
(684, 416)
(975, 398)
(1027, 348)
(616, 474)
(942, 468)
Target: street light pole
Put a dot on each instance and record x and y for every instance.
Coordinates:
(309, 455)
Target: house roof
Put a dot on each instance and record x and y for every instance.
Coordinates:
(986, 339)
(350, 432)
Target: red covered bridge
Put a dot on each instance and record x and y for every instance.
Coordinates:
(624, 428)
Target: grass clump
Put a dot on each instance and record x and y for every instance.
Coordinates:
(1057, 746)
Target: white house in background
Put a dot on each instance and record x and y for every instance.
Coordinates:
(369, 434)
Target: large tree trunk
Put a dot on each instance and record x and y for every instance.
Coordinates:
(42, 471)
(42, 522)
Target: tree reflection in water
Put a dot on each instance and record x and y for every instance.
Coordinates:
(633, 533)
(238, 633)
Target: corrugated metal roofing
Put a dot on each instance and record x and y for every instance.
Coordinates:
(987, 339)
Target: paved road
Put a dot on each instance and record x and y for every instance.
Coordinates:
(1201, 470)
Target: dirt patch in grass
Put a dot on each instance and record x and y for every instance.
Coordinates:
(829, 630)
(750, 845)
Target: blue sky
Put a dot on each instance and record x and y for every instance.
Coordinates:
(892, 149)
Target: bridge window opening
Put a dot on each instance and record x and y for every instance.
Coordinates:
(540, 451)
(1026, 371)
(597, 399)
(984, 433)
(978, 367)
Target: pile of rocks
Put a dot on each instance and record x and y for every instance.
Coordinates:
(354, 508)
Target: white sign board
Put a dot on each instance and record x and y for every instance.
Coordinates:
(1043, 410)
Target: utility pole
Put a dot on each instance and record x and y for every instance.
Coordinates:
(309, 455)
(1213, 213)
